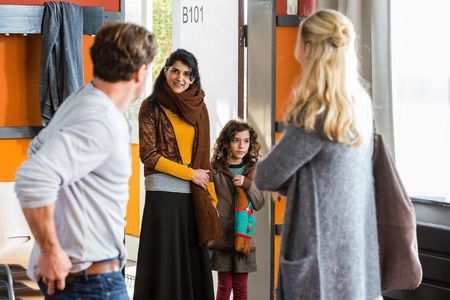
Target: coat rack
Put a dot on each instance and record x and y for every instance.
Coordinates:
(27, 19)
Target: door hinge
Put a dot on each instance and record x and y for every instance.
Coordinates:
(243, 38)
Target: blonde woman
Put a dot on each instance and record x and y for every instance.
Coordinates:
(323, 164)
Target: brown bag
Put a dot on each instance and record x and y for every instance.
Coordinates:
(399, 259)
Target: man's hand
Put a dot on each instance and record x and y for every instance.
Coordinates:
(54, 265)
(238, 180)
(201, 178)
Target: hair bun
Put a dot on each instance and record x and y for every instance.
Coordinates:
(340, 35)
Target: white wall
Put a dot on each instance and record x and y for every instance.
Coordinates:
(209, 29)
(138, 12)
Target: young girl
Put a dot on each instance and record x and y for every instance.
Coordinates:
(233, 255)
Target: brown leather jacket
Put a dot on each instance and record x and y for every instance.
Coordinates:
(157, 137)
(225, 193)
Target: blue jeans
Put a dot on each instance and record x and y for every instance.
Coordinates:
(103, 286)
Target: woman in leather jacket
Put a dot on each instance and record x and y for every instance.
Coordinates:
(179, 215)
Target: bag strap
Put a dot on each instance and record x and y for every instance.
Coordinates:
(374, 122)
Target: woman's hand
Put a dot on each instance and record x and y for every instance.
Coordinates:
(201, 178)
(238, 180)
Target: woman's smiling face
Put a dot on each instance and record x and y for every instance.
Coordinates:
(179, 77)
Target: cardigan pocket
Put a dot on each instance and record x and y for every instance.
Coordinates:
(299, 279)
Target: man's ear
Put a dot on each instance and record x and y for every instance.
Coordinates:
(141, 74)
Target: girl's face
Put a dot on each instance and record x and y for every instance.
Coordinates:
(238, 147)
(179, 77)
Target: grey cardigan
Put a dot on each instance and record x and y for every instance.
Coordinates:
(329, 246)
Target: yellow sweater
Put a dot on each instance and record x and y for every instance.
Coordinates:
(185, 134)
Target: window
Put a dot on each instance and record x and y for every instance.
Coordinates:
(420, 32)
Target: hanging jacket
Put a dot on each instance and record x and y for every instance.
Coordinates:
(61, 69)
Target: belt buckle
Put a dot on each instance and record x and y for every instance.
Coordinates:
(81, 274)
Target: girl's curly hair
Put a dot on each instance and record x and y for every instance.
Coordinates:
(220, 150)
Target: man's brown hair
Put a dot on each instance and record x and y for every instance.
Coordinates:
(120, 49)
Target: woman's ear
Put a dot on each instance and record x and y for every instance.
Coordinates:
(307, 49)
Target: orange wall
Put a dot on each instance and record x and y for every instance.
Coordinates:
(19, 81)
(287, 68)
(133, 212)
(12, 154)
(19, 78)
(109, 5)
(287, 71)
(19, 106)
(14, 151)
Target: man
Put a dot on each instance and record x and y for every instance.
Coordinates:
(74, 186)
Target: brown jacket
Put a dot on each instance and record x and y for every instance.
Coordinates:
(225, 193)
(157, 137)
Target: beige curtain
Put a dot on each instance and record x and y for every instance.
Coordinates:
(371, 19)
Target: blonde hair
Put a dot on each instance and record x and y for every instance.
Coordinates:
(330, 94)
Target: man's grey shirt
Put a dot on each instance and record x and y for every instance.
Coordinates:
(82, 162)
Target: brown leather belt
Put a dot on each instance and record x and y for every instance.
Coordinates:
(101, 267)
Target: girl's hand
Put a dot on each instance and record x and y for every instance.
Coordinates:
(238, 180)
(201, 178)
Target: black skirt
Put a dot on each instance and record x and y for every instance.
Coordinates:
(171, 264)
